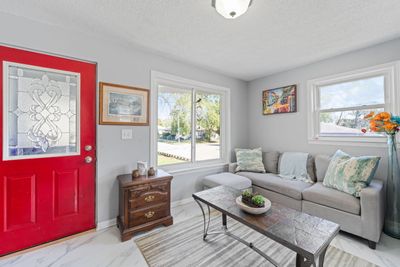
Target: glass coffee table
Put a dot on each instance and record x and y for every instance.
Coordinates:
(307, 235)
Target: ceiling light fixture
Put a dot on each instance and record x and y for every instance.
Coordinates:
(231, 9)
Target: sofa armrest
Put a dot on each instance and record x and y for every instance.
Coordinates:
(372, 200)
(232, 167)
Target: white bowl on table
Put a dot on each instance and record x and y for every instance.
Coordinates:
(253, 210)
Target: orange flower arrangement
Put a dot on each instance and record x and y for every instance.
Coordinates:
(382, 122)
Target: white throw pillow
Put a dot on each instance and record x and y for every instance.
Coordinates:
(249, 160)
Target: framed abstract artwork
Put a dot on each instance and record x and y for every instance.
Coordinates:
(124, 105)
(280, 100)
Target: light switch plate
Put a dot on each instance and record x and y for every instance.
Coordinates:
(126, 134)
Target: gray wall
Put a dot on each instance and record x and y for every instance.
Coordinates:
(124, 64)
(288, 132)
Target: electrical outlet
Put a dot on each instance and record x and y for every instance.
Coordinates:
(126, 134)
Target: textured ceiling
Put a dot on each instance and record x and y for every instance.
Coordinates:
(274, 35)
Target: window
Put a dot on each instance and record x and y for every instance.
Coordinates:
(339, 103)
(342, 106)
(190, 123)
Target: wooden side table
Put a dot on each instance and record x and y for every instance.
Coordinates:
(144, 203)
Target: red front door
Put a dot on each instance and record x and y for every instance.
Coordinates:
(47, 167)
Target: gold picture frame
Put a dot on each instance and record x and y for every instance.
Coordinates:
(123, 105)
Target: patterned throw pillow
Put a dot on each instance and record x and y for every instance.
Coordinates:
(350, 174)
(249, 160)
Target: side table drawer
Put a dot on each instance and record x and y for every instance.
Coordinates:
(148, 198)
(147, 215)
(137, 191)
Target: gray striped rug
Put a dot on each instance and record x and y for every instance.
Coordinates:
(182, 245)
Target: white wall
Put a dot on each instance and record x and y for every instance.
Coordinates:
(124, 64)
(288, 132)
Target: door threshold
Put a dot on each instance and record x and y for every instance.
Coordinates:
(47, 244)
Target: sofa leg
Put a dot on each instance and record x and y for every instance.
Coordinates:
(371, 244)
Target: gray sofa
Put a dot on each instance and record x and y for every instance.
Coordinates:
(362, 216)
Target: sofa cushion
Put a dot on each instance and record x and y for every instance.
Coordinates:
(333, 198)
(273, 182)
(249, 160)
(321, 165)
(227, 178)
(270, 160)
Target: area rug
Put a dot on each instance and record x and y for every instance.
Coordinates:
(182, 245)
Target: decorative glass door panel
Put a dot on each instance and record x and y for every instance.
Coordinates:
(41, 112)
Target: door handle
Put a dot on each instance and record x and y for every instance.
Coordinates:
(88, 148)
(88, 159)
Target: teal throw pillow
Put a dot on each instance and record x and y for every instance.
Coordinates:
(350, 174)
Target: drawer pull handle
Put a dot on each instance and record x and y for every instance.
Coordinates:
(149, 198)
(149, 214)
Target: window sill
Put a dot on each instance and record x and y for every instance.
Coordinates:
(349, 141)
(184, 169)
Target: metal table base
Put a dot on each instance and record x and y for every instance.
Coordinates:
(226, 232)
(300, 260)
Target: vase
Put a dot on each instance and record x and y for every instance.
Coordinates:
(392, 215)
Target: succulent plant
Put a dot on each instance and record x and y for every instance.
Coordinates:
(246, 197)
(258, 200)
(247, 194)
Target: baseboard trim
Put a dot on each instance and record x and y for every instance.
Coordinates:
(106, 224)
(110, 223)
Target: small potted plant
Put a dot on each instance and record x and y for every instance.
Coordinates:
(246, 197)
(253, 203)
(258, 201)
(253, 200)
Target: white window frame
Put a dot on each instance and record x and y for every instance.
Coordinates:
(160, 78)
(390, 71)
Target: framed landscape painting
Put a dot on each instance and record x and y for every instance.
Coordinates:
(280, 100)
(123, 105)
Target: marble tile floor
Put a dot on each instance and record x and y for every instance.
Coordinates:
(103, 248)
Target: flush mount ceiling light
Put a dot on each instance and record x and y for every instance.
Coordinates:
(231, 9)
